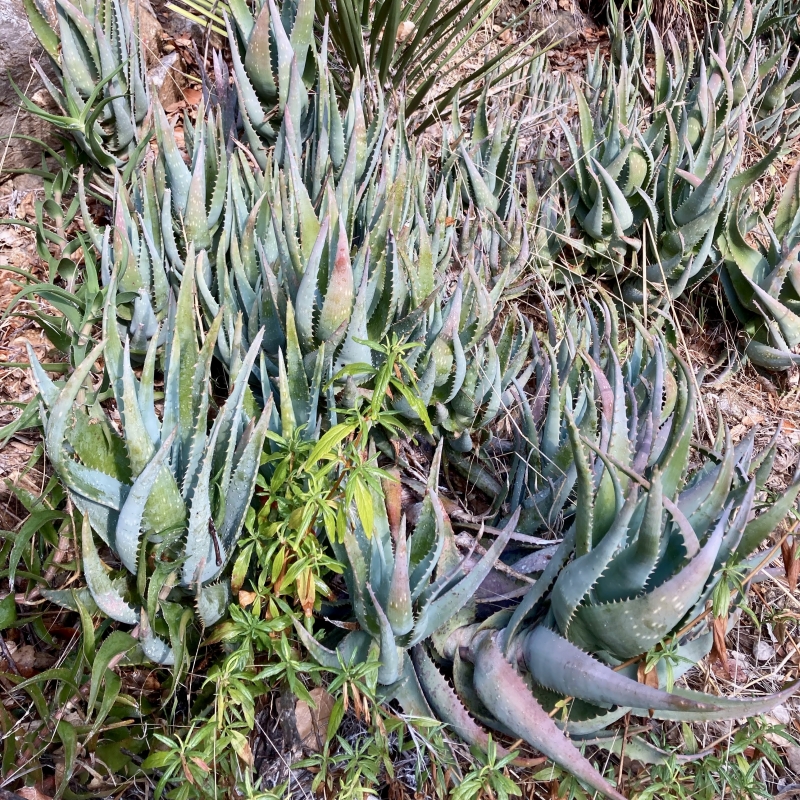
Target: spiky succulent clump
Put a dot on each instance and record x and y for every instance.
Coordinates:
(645, 543)
(274, 61)
(667, 183)
(763, 64)
(654, 169)
(328, 242)
(104, 97)
(167, 496)
(762, 283)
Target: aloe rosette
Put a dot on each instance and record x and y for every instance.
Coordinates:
(166, 496)
(762, 283)
(328, 242)
(104, 97)
(645, 542)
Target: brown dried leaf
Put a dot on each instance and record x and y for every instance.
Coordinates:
(32, 793)
(719, 650)
(312, 723)
(246, 598)
(392, 490)
(790, 562)
(405, 30)
(648, 678)
(187, 772)
(200, 763)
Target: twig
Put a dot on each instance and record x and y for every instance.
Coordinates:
(517, 537)
(470, 542)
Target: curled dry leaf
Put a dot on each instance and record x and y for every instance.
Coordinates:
(312, 723)
(763, 651)
(647, 678)
(246, 598)
(719, 651)
(790, 562)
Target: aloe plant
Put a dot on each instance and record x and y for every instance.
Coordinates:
(654, 168)
(667, 185)
(104, 96)
(763, 63)
(762, 283)
(645, 543)
(167, 496)
(330, 241)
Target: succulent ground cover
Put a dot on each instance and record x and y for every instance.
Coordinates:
(381, 453)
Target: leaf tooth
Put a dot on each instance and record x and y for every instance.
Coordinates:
(446, 702)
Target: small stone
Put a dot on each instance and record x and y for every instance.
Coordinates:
(793, 758)
(781, 714)
(763, 651)
(166, 79)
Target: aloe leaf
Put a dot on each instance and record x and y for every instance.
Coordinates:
(41, 27)
(258, 59)
(285, 53)
(287, 410)
(295, 371)
(180, 177)
(239, 490)
(302, 36)
(445, 702)
(398, 609)
(354, 350)
(195, 218)
(579, 577)
(305, 298)
(108, 600)
(759, 528)
(562, 667)
(631, 627)
(441, 609)
(137, 439)
(674, 465)
(504, 693)
(352, 649)
(96, 486)
(480, 191)
(155, 648)
(338, 304)
(199, 552)
(731, 708)
(630, 569)
(389, 670)
(252, 110)
(129, 522)
(212, 603)
(200, 395)
(48, 391)
(706, 512)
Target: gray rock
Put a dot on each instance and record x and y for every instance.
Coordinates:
(18, 47)
(167, 79)
(562, 26)
(150, 31)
